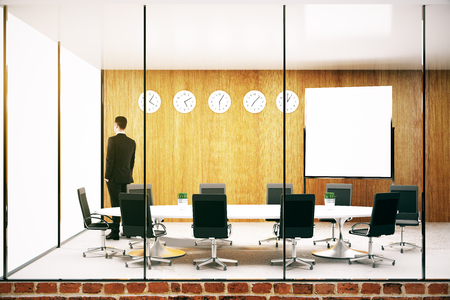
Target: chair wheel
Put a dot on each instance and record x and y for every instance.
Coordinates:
(271, 263)
(106, 256)
(236, 264)
(259, 243)
(349, 245)
(231, 243)
(124, 252)
(382, 248)
(393, 263)
(224, 268)
(314, 243)
(311, 267)
(373, 265)
(195, 243)
(84, 254)
(276, 245)
(126, 265)
(198, 268)
(131, 246)
(328, 246)
(170, 263)
(194, 263)
(313, 262)
(401, 250)
(349, 262)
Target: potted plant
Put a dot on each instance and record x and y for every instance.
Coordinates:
(329, 200)
(182, 199)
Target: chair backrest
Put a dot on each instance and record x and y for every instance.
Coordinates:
(384, 214)
(275, 190)
(134, 216)
(408, 203)
(84, 206)
(212, 188)
(138, 188)
(298, 216)
(209, 215)
(342, 191)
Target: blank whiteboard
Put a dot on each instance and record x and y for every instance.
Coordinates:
(348, 132)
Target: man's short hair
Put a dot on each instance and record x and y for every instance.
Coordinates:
(121, 122)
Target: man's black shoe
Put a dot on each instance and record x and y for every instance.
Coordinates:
(113, 236)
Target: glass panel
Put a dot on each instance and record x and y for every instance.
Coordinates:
(32, 142)
(437, 62)
(363, 47)
(216, 54)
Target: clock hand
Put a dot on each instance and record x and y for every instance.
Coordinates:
(289, 98)
(220, 100)
(187, 100)
(255, 100)
(151, 99)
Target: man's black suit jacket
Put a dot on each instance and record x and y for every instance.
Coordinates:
(120, 159)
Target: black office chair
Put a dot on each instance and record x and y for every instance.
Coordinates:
(343, 193)
(408, 211)
(210, 222)
(212, 188)
(382, 222)
(138, 188)
(298, 223)
(101, 225)
(274, 191)
(134, 220)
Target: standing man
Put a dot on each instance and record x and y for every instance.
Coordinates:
(119, 167)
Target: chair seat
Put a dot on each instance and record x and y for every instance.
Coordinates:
(362, 231)
(407, 222)
(98, 226)
(328, 220)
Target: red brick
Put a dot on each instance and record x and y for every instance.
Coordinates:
(282, 288)
(46, 287)
(136, 287)
(438, 289)
(175, 287)
(214, 287)
(242, 298)
(324, 288)
(392, 288)
(5, 287)
(302, 288)
(191, 288)
(114, 288)
(371, 288)
(358, 298)
(237, 287)
(23, 287)
(92, 288)
(414, 288)
(158, 287)
(347, 288)
(261, 288)
(136, 298)
(292, 298)
(69, 288)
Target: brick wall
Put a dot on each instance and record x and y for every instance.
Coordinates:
(223, 290)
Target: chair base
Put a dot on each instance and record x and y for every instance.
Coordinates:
(274, 238)
(218, 240)
(374, 258)
(220, 261)
(137, 259)
(401, 245)
(291, 260)
(107, 251)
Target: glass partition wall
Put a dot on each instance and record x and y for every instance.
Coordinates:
(237, 132)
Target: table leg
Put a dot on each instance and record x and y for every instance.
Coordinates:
(340, 249)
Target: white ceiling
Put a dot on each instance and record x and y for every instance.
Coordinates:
(243, 36)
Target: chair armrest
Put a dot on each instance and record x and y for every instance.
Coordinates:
(96, 218)
(96, 214)
(367, 225)
(230, 229)
(276, 229)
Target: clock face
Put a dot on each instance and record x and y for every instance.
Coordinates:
(219, 102)
(254, 101)
(153, 101)
(184, 101)
(291, 102)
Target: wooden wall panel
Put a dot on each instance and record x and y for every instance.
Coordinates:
(244, 150)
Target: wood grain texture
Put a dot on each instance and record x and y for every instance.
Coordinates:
(245, 150)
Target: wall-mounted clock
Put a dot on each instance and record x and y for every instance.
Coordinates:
(219, 101)
(292, 101)
(153, 101)
(184, 101)
(254, 101)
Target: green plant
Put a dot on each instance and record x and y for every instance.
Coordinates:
(329, 195)
(182, 195)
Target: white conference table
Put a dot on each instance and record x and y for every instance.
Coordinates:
(243, 211)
